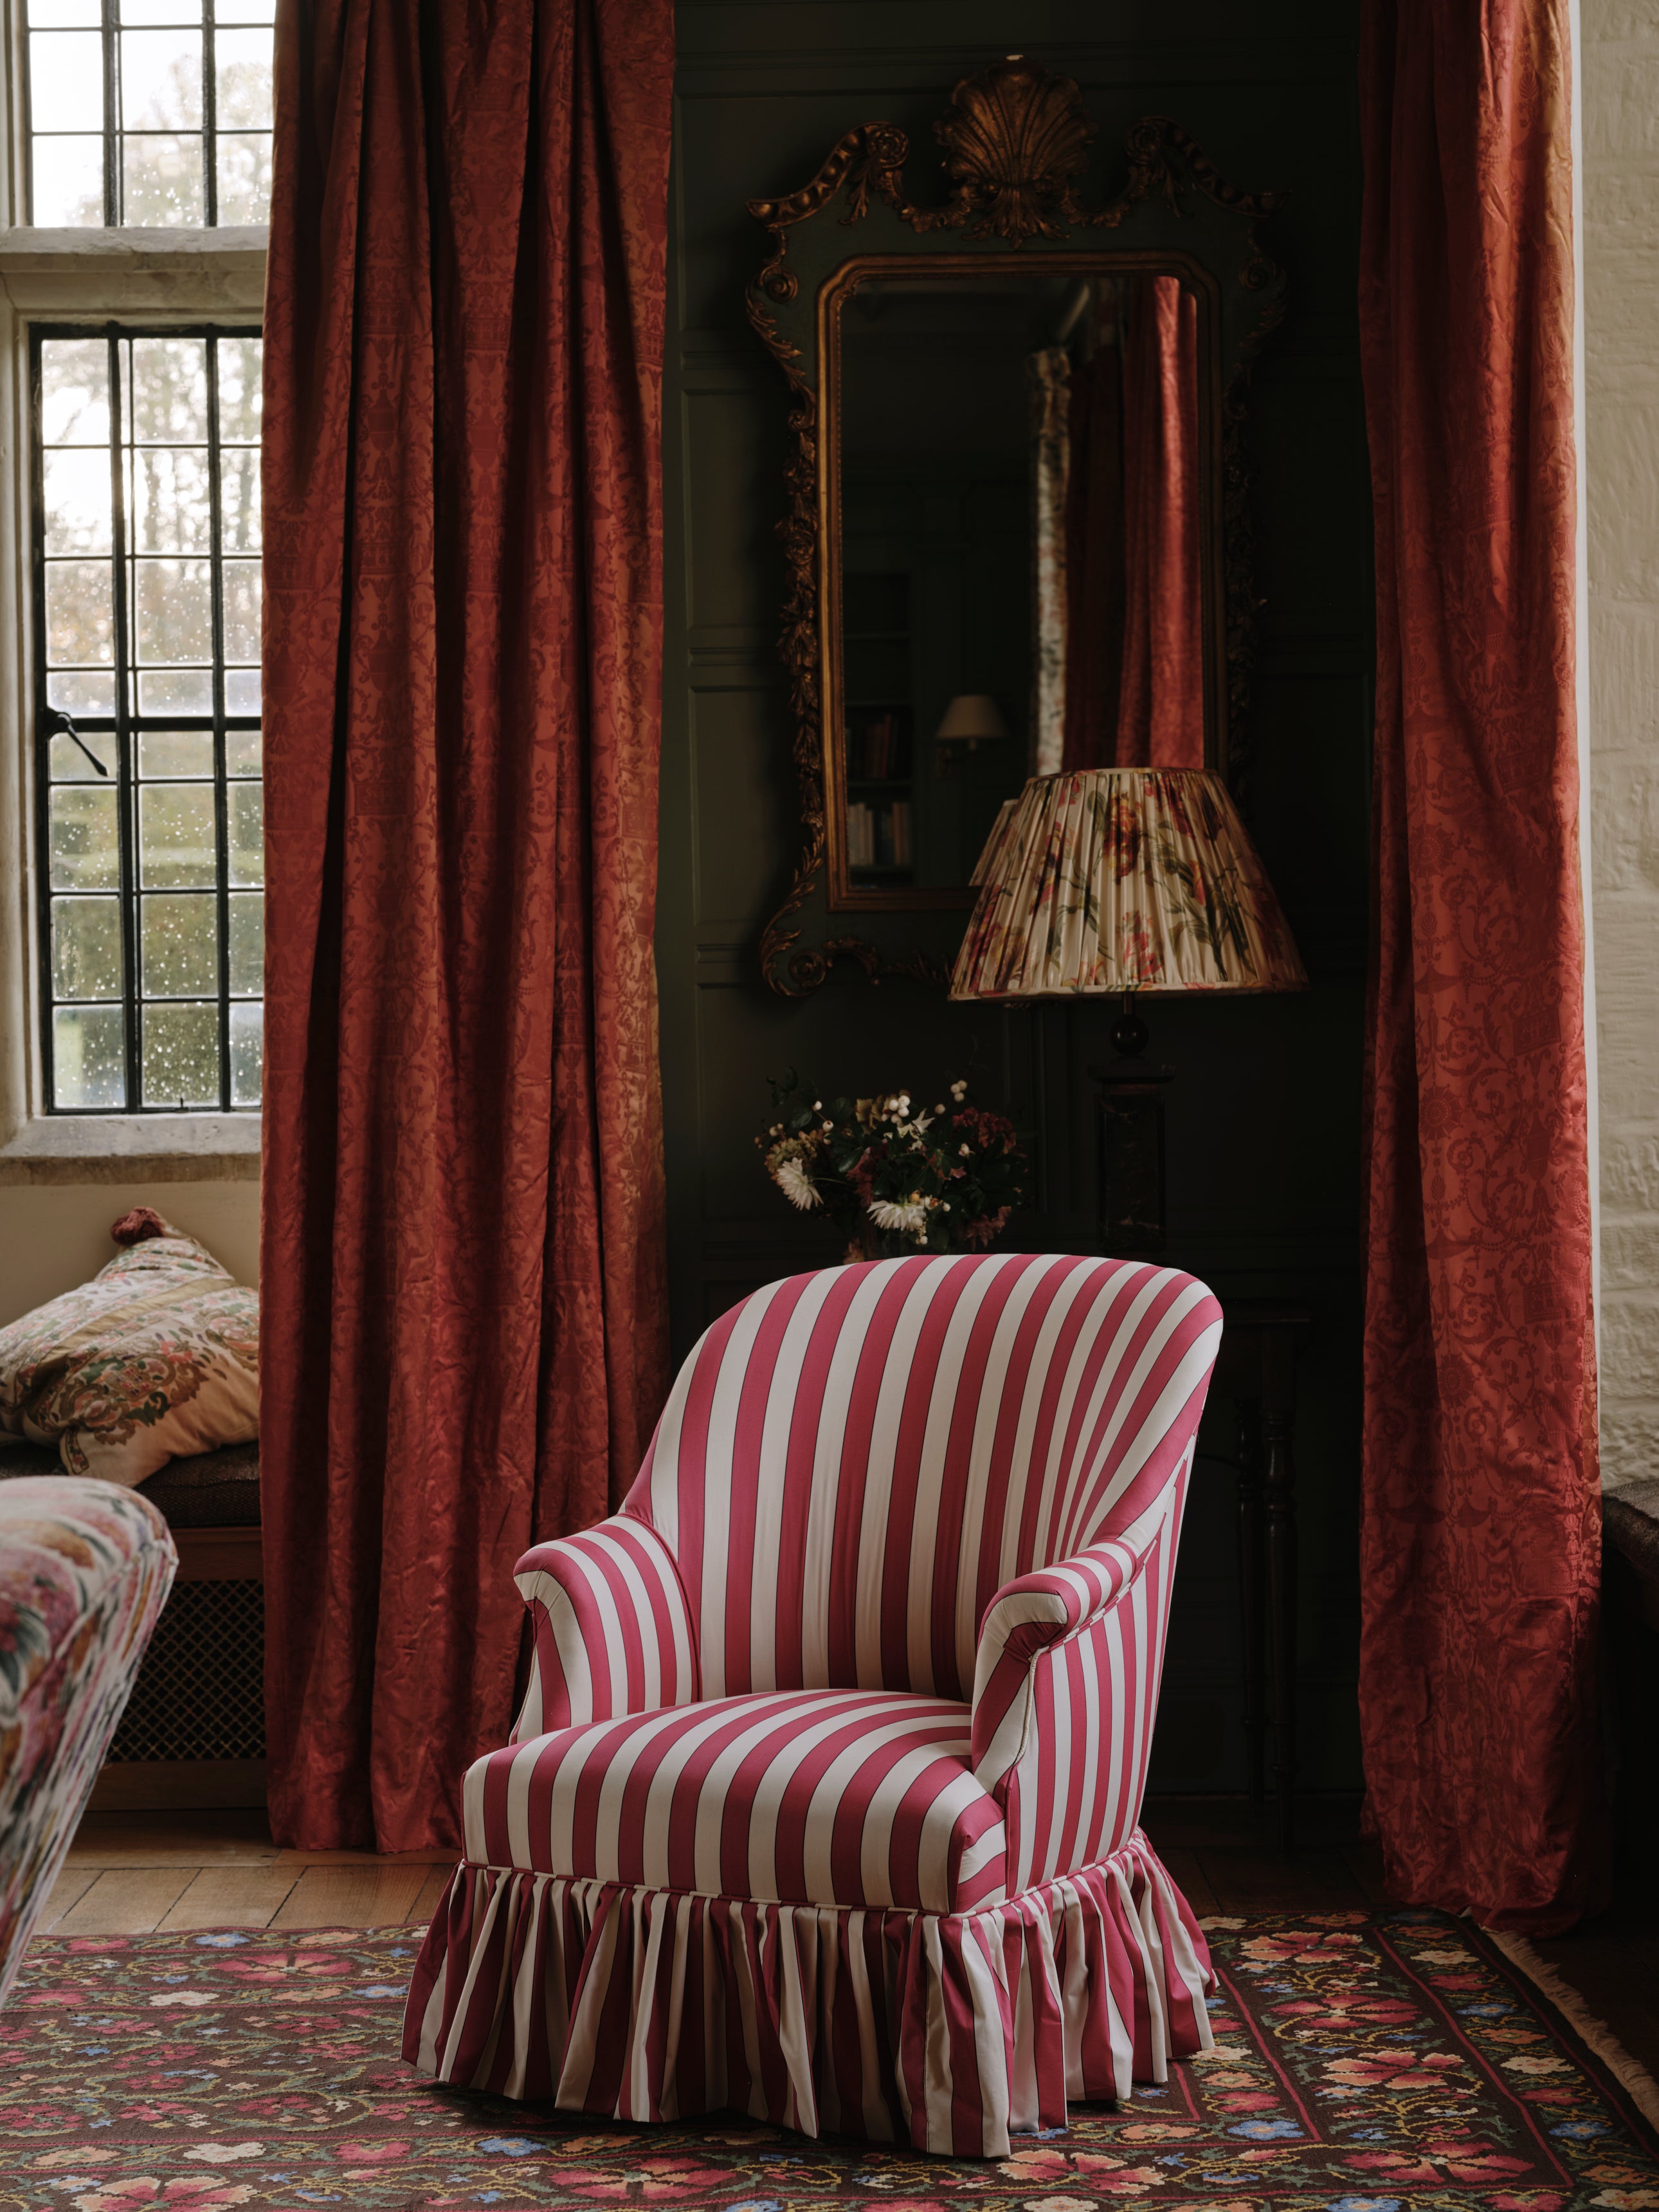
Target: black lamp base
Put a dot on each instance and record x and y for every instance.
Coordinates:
(1131, 1142)
(1130, 1035)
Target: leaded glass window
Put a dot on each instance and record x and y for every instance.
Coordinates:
(146, 692)
(150, 112)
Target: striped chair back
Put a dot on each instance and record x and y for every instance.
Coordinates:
(853, 1462)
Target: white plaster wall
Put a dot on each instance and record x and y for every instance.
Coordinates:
(1619, 77)
(53, 1235)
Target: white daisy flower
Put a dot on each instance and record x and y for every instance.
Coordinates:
(797, 1186)
(910, 1219)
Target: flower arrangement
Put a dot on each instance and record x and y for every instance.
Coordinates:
(896, 1178)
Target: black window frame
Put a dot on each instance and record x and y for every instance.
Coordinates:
(109, 27)
(127, 724)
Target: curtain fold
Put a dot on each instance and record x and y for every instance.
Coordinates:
(1480, 1521)
(1160, 703)
(462, 1251)
(1133, 690)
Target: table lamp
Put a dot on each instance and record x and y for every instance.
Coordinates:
(1119, 883)
(972, 719)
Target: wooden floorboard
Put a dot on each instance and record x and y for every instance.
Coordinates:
(1242, 1882)
(445, 1857)
(1365, 1864)
(125, 1901)
(232, 1896)
(69, 1887)
(350, 1897)
(1613, 1962)
(431, 1894)
(1189, 1877)
(169, 1839)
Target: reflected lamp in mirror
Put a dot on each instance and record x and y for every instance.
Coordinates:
(1111, 883)
(973, 719)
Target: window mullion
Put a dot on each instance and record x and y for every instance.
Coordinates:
(127, 803)
(220, 795)
(210, 119)
(43, 742)
(112, 214)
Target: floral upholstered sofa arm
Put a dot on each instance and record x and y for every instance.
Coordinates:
(85, 1569)
(1064, 1694)
(614, 1633)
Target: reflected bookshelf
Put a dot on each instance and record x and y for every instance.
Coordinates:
(877, 729)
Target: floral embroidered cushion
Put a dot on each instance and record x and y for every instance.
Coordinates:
(158, 1354)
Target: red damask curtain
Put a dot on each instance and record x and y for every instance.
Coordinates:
(462, 1252)
(1134, 627)
(1160, 716)
(1479, 1543)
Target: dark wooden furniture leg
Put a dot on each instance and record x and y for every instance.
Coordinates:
(1252, 1612)
(1279, 1489)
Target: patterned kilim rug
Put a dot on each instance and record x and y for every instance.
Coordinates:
(1397, 2063)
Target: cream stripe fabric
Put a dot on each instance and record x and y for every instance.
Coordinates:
(1004, 1404)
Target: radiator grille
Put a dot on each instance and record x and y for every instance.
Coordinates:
(200, 1692)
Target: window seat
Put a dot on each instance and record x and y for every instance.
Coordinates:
(1629, 1519)
(205, 1489)
(1630, 1632)
(193, 1731)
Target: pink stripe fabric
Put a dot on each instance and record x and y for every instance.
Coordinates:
(1066, 1695)
(813, 1797)
(952, 2033)
(852, 1463)
(823, 1800)
(613, 1631)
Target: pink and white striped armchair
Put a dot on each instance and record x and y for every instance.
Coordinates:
(823, 1800)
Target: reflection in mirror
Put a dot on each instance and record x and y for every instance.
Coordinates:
(1021, 549)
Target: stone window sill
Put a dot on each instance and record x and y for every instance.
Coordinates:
(118, 272)
(130, 1147)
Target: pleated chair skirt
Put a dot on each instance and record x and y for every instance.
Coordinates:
(948, 2032)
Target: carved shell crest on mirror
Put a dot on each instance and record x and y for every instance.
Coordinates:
(1015, 140)
(990, 409)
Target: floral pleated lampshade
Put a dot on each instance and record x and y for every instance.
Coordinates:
(1119, 879)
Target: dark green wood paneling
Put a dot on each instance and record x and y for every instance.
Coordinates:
(1264, 1114)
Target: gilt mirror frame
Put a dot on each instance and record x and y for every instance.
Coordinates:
(1015, 141)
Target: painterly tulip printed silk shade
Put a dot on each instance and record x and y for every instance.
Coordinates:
(1123, 879)
(463, 1267)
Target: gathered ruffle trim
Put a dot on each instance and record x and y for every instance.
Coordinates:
(948, 2031)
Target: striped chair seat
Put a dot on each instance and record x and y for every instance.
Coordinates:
(807, 1797)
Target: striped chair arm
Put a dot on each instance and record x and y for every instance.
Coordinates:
(613, 1631)
(1027, 1618)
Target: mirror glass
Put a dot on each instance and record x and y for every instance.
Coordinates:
(1022, 562)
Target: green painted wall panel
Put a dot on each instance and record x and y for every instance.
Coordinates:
(1264, 1112)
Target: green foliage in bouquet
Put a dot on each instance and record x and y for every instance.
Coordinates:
(896, 1178)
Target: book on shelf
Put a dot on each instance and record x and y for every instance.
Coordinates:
(878, 836)
(878, 753)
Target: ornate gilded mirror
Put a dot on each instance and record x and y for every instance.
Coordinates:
(1016, 532)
